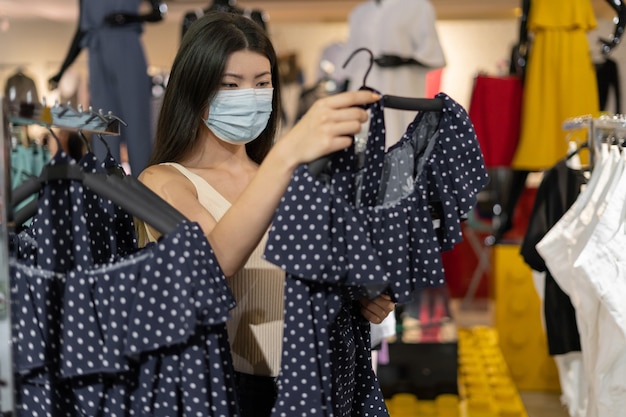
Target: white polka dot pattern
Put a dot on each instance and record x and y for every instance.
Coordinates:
(388, 237)
(334, 248)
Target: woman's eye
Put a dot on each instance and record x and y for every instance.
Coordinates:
(264, 84)
(229, 85)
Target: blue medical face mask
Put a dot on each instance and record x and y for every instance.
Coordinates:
(240, 116)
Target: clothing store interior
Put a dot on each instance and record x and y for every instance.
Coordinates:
(495, 101)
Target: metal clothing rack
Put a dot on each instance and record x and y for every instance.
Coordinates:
(599, 130)
(57, 116)
(66, 117)
(6, 368)
(608, 128)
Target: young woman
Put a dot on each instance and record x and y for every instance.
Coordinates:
(216, 160)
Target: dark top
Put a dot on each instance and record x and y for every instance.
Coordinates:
(607, 75)
(558, 190)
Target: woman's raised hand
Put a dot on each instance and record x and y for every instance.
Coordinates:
(329, 125)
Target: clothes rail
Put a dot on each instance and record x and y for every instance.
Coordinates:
(616, 121)
(66, 117)
(577, 123)
(598, 129)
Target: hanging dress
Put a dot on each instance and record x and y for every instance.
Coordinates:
(117, 337)
(368, 230)
(560, 80)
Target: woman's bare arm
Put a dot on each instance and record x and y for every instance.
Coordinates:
(327, 127)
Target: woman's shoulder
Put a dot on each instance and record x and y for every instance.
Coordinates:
(162, 175)
(157, 171)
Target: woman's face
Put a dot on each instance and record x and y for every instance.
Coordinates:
(244, 70)
(247, 69)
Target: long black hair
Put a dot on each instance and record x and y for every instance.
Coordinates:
(196, 77)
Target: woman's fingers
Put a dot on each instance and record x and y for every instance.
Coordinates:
(378, 309)
(333, 121)
(329, 124)
(345, 106)
(344, 128)
(351, 99)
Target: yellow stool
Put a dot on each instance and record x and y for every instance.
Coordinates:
(447, 405)
(403, 405)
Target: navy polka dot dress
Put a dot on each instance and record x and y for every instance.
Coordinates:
(136, 335)
(365, 229)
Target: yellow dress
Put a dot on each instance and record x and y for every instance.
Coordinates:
(560, 80)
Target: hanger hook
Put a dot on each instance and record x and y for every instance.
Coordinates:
(106, 144)
(95, 115)
(84, 139)
(369, 68)
(56, 139)
(112, 118)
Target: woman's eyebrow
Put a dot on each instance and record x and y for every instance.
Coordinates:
(228, 74)
(239, 77)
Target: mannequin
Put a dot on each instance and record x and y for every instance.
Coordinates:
(118, 79)
(620, 10)
(20, 89)
(519, 53)
(403, 38)
(392, 60)
(113, 19)
(229, 6)
(607, 71)
(517, 180)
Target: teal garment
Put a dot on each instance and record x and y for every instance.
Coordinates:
(27, 162)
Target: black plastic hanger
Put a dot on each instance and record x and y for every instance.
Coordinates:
(397, 102)
(576, 151)
(389, 101)
(128, 193)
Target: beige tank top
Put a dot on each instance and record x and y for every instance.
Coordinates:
(255, 329)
